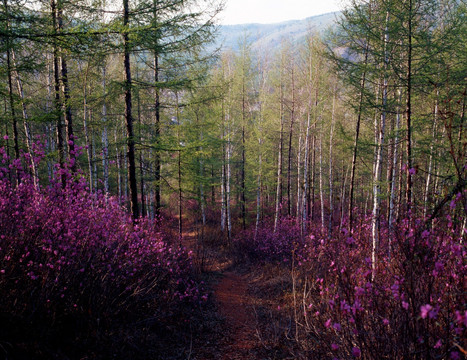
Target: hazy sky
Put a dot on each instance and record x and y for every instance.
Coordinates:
(270, 11)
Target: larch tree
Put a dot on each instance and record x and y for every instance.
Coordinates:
(171, 33)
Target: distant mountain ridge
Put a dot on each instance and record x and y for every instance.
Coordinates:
(269, 36)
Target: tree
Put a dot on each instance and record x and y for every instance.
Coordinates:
(386, 50)
(172, 33)
(128, 113)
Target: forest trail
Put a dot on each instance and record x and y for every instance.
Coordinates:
(238, 340)
(232, 296)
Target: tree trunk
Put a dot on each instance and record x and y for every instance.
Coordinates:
(392, 206)
(223, 190)
(279, 163)
(19, 83)
(355, 147)
(213, 188)
(141, 156)
(157, 155)
(68, 115)
(430, 162)
(128, 116)
(409, 111)
(401, 186)
(375, 220)
(331, 133)
(66, 96)
(258, 190)
(260, 161)
(105, 138)
(311, 197)
(49, 130)
(85, 126)
(379, 159)
(7, 141)
(58, 105)
(243, 194)
(228, 180)
(313, 157)
(13, 114)
(345, 173)
(142, 185)
(180, 196)
(202, 199)
(93, 155)
(321, 190)
(289, 158)
(119, 169)
(305, 200)
(10, 92)
(179, 170)
(390, 164)
(224, 172)
(299, 172)
(461, 145)
(201, 185)
(304, 215)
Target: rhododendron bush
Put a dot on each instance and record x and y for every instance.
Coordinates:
(411, 304)
(75, 267)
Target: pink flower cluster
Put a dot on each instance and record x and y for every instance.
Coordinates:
(411, 301)
(66, 252)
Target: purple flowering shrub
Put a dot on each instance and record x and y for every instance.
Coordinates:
(75, 268)
(411, 306)
(269, 245)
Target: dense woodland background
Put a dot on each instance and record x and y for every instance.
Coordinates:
(379, 104)
(353, 135)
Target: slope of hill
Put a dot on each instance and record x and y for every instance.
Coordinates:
(269, 36)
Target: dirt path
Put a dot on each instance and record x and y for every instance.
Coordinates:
(238, 334)
(231, 293)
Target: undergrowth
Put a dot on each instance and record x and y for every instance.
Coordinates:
(335, 305)
(79, 278)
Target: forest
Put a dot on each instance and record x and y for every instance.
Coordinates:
(164, 197)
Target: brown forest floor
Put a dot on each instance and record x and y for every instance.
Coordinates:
(233, 299)
(236, 333)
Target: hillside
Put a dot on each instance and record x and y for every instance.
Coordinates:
(267, 36)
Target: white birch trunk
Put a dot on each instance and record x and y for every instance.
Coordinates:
(260, 142)
(331, 134)
(430, 164)
(201, 187)
(35, 174)
(379, 161)
(343, 194)
(299, 182)
(258, 191)
(260, 172)
(105, 139)
(392, 201)
(306, 165)
(304, 209)
(321, 190)
(279, 165)
(94, 167)
(223, 196)
(119, 169)
(49, 128)
(229, 175)
(86, 129)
